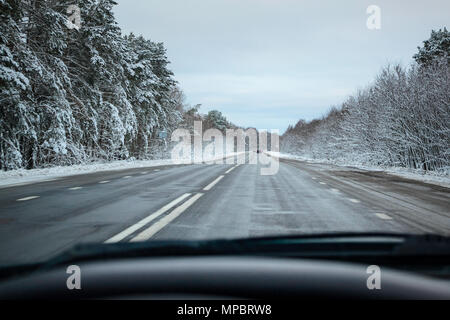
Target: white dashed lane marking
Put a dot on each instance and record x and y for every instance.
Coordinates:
(75, 188)
(122, 235)
(335, 190)
(158, 225)
(231, 169)
(145, 172)
(322, 182)
(383, 216)
(103, 182)
(28, 198)
(148, 233)
(354, 200)
(126, 177)
(212, 184)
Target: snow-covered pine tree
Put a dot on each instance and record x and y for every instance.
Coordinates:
(17, 117)
(71, 95)
(434, 48)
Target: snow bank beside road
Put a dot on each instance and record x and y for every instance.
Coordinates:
(440, 178)
(23, 177)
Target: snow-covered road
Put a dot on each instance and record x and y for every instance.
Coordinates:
(42, 219)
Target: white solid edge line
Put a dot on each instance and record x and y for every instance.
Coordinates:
(125, 233)
(149, 232)
(212, 184)
(28, 198)
(383, 216)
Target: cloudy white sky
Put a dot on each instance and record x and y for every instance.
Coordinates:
(268, 63)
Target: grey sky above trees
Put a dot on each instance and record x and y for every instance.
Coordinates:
(267, 63)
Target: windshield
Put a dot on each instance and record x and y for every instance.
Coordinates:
(130, 121)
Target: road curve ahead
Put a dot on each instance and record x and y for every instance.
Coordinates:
(40, 220)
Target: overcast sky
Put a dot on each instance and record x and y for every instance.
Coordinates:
(268, 63)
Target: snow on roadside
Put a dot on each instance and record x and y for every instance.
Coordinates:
(23, 176)
(440, 178)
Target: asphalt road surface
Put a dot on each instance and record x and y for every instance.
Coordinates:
(40, 220)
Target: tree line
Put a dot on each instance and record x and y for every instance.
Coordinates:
(402, 119)
(72, 95)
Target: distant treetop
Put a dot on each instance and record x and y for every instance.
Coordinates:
(437, 46)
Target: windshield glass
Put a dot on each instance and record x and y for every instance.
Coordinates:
(128, 121)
